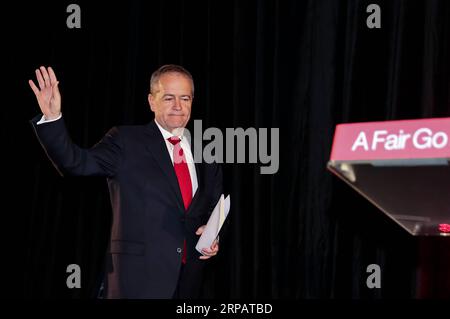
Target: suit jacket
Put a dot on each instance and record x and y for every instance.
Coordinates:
(150, 223)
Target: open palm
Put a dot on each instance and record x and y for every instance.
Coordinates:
(47, 94)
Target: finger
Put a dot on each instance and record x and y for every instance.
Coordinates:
(208, 252)
(33, 87)
(214, 244)
(55, 90)
(45, 75)
(53, 78)
(40, 79)
(200, 230)
(204, 257)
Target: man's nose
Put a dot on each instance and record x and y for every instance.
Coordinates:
(177, 104)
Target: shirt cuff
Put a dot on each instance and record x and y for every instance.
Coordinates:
(44, 120)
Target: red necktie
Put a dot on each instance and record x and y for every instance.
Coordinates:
(184, 178)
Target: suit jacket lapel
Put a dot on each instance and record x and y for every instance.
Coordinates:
(158, 149)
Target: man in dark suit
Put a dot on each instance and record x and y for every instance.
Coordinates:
(160, 198)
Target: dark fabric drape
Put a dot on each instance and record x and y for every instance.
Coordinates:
(301, 66)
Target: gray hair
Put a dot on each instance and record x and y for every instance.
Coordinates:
(170, 68)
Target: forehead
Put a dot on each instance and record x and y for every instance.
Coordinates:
(175, 83)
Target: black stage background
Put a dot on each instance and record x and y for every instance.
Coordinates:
(302, 66)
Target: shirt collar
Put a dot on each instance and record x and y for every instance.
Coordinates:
(166, 134)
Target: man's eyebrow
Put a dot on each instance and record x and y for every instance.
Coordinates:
(173, 95)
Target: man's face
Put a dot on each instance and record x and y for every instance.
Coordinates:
(171, 101)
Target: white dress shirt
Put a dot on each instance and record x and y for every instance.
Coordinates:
(44, 120)
(187, 153)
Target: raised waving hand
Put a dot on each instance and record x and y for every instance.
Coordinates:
(47, 95)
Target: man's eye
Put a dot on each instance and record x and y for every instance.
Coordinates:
(168, 99)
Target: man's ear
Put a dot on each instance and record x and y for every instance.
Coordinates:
(151, 102)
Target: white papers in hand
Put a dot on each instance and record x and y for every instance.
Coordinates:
(215, 222)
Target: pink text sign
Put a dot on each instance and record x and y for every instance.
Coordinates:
(405, 139)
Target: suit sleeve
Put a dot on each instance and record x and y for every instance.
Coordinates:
(103, 159)
(218, 186)
(217, 190)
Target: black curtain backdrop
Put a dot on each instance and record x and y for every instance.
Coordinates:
(301, 66)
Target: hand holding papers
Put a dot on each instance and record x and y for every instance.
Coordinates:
(215, 222)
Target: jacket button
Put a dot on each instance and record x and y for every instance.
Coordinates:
(179, 250)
